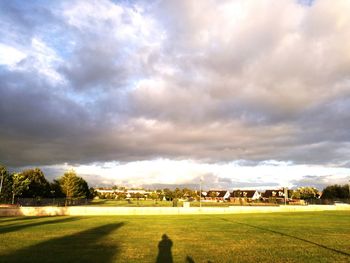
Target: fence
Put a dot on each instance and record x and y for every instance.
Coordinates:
(51, 201)
(84, 201)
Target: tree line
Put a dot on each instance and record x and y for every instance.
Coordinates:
(31, 183)
(158, 194)
(331, 192)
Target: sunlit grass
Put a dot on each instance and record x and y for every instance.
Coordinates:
(278, 237)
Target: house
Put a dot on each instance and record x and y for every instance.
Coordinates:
(277, 195)
(217, 195)
(249, 195)
(274, 193)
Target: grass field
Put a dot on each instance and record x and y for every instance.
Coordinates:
(278, 237)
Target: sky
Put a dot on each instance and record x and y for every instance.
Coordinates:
(238, 94)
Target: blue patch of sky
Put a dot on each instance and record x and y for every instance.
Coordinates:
(306, 2)
(133, 2)
(60, 40)
(24, 20)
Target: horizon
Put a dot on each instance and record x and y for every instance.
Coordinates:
(235, 93)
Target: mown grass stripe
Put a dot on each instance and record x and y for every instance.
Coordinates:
(288, 235)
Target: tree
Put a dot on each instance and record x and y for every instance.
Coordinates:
(177, 193)
(154, 196)
(169, 195)
(336, 192)
(307, 192)
(121, 196)
(56, 190)
(5, 185)
(189, 193)
(93, 192)
(138, 196)
(73, 185)
(38, 185)
(296, 194)
(82, 188)
(20, 183)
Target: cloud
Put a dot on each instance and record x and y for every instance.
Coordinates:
(319, 182)
(215, 82)
(9, 55)
(160, 173)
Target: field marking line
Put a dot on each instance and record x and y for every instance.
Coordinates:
(288, 235)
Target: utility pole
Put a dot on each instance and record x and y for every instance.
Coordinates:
(200, 192)
(2, 180)
(285, 195)
(2, 173)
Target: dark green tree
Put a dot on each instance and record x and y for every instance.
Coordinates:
(38, 185)
(169, 195)
(92, 192)
(336, 192)
(56, 189)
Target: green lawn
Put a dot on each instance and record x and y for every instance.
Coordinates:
(282, 237)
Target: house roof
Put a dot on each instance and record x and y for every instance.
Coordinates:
(219, 193)
(243, 193)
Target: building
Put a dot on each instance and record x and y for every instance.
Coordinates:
(248, 195)
(217, 195)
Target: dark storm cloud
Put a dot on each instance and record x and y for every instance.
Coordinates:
(104, 81)
(36, 123)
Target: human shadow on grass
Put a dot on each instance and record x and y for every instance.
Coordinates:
(18, 227)
(164, 250)
(91, 245)
(291, 236)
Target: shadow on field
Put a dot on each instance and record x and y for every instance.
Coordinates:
(86, 246)
(17, 227)
(22, 218)
(294, 237)
(164, 250)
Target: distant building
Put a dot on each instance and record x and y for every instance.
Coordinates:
(274, 194)
(277, 195)
(116, 191)
(249, 195)
(217, 195)
(107, 190)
